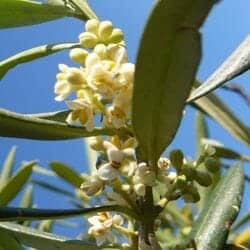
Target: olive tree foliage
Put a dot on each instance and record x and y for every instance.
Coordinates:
(130, 196)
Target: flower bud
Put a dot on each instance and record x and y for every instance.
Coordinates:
(92, 26)
(140, 189)
(176, 158)
(203, 178)
(96, 143)
(78, 55)
(101, 50)
(116, 36)
(88, 40)
(173, 195)
(212, 164)
(189, 171)
(181, 182)
(192, 194)
(209, 150)
(105, 30)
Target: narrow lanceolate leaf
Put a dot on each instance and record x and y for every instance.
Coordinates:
(7, 241)
(201, 131)
(27, 199)
(41, 240)
(32, 54)
(30, 127)
(7, 167)
(167, 62)
(67, 173)
(16, 183)
(14, 214)
(16, 13)
(84, 8)
(214, 107)
(211, 229)
(236, 64)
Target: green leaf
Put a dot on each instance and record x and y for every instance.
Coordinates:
(7, 167)
(27, 199)
(15, 183)
(211, 229)
(201, 131)
(214, 107)
(167, 62)
(30, 127)
(236, 64)
(224, 152)
(41, 240)
(84, 8)
(33, 54)
(16, 13)
(15, 214)
(7, 241)
(67, 173)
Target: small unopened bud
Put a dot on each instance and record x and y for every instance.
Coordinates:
(92, 26)
(209, 150)
(96, 143)
(186, 230)
(101, 50)
(176, 158)
(78, 55)
(203, 178)
(181, 182)
(140, 189)
(105, 30)
(88, 40)
(212, 164)
(116, 36)
(192, 194)
(189, 171)
(173, 195)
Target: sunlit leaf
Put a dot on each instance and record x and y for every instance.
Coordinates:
(84, 8)
(30, 127)
(16, 183)
(27, 199)
(41, 240)
(7, 167)
(16, 13)
(236, 64)
(67, 173)
(32, 54)
(167, 61)
(214, 107)
(211, 229)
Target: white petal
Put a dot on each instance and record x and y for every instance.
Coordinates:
(63, 67)
(115, 155)
(107, 173)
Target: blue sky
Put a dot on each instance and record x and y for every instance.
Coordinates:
(29, 88)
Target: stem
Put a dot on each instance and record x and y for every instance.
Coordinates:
(147, 217)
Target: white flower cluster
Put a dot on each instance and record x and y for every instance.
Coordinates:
(102, 225)
(103, 83)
